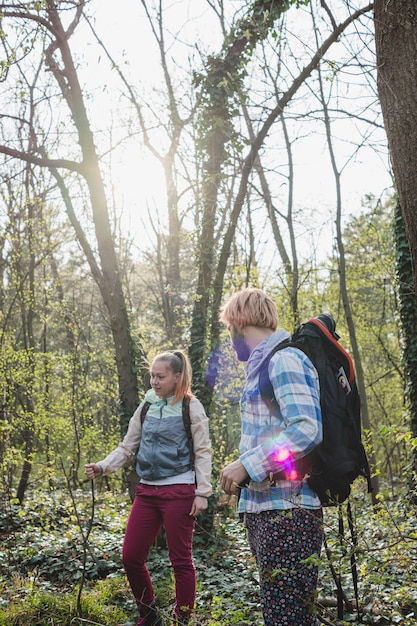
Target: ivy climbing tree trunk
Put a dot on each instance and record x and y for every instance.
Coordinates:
(408, 316)
(219, 92)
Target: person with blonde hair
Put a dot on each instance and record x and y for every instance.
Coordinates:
(283, 516)
(174, 468)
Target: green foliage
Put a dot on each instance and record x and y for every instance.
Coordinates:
(56, 359)
(40, 608)
(371, 283)
(59, 388)
(75, 413)
(35, 590)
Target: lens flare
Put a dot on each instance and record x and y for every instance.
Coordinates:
(285, 458)
(282, 455)
(225, 375)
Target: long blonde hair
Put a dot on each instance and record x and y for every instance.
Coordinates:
(178, 363)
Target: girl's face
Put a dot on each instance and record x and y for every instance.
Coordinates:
(163, 379)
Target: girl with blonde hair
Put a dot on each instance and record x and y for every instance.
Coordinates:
(174, 468)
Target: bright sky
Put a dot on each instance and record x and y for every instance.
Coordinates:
(138, 181)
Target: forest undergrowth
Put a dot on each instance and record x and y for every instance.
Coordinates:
(58, 569)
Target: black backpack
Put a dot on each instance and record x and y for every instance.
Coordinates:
(340, 458)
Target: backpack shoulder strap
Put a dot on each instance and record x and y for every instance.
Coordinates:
(186, 417)
(336, 345)
(265, 385)
(144, 411)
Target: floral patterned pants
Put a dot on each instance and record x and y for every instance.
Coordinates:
(286, 545)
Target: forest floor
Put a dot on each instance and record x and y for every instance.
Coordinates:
(59, 569)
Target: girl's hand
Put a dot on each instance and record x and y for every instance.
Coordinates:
(231, 477)
(92, 470)
(199, 504)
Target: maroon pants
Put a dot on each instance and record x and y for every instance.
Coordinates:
(153, 507)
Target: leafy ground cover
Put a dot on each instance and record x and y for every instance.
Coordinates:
(57, 569)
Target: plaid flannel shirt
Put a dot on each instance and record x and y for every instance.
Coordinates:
(271, 442)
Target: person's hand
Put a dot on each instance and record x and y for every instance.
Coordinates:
(231, 477)
(92, 470)
(199, 504)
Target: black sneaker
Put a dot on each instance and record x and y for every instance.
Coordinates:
(152, 618)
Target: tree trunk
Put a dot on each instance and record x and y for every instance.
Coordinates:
(408, 316)
(109, 280)
(396, 45)
(28, 314)
(219, 89)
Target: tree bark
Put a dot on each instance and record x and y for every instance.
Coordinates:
(27, 295)
(110, 283)
(396, 46)
(408, 316)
